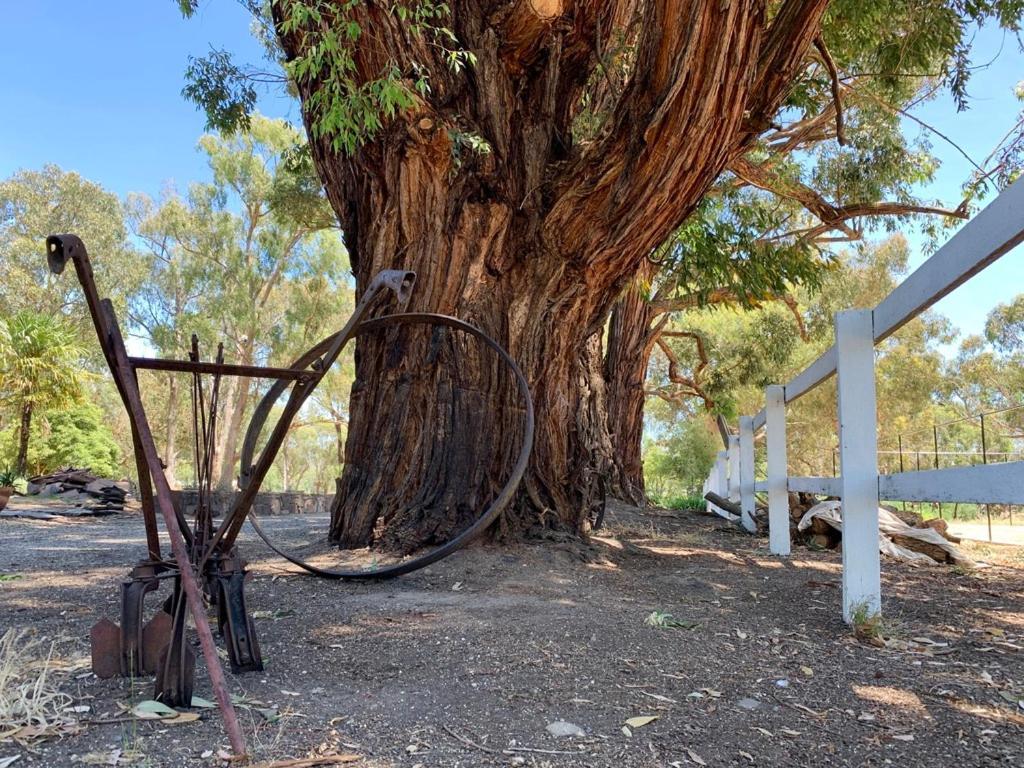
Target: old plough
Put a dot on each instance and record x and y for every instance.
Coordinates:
(205, 567)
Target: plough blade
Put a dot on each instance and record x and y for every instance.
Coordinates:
(154, 640)
(105, 638)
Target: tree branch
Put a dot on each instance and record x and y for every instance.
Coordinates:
(830, 65)
(689, 301)
(790, 301)
(672, 132)
(676, 377)
(669, 136)
(795, 26)
(831, 216)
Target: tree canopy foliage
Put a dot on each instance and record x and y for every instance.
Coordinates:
(37, 203)
(252, 258)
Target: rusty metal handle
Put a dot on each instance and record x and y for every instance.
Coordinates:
(59, 248)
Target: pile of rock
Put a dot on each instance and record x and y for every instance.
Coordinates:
(83, 489)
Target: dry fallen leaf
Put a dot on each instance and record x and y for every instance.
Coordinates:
(181, 718)
(152, 710)
(808, 710)
(641, 721)
(695, 757)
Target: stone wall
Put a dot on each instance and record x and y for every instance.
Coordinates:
(266, 504)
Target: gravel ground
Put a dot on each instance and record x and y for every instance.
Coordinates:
(469, 661)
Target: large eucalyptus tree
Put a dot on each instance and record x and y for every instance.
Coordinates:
(525, 157)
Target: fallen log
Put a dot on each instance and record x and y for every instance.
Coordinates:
(760, 511)
(732, 506)
(934, 551)
(942, 527)
(722, 503)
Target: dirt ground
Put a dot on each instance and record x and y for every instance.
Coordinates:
(468, 662)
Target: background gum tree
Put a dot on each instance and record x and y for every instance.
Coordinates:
(37, 203)
(840, 161)
(492, 147)
(251, 259)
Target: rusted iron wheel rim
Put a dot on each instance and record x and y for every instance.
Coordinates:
(489, 515)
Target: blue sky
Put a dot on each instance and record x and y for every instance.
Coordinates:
(994, 109)
(96, 88)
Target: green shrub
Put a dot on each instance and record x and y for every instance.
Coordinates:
(77, 436)
(680, 502)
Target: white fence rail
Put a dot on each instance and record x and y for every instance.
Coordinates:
(988, 236)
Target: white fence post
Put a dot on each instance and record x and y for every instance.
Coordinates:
(858, 450)
(718, 482)
(747, 473)
(722, 474)
(734, 468)
(778, 470)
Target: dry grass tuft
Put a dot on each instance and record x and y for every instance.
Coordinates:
(31, 706)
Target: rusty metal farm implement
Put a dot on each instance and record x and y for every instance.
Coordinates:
(205, 566)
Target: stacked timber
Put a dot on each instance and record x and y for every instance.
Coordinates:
(81, 488)
(904, 534)
(820, 535)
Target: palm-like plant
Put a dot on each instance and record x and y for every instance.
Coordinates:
(40, 361)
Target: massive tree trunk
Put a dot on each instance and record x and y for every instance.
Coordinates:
(532, 241)
(629, 346)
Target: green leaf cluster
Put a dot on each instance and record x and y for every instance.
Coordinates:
(40, 360)
(347, 106)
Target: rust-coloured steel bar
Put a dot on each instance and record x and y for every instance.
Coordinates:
(59, 249)
(223, 369)
(146, 495)
(56, 258)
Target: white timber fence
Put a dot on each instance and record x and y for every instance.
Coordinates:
(992, 233)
